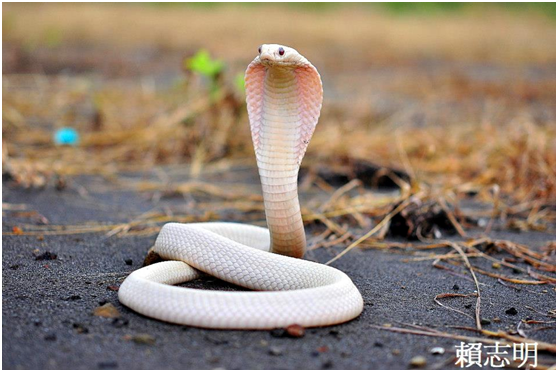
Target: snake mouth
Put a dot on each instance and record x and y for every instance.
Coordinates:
(271, 62)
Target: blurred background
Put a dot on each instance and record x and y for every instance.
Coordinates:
(456, 98)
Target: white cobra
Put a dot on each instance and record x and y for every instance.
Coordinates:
(284, 99)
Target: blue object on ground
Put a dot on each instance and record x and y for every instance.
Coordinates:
(66, 136)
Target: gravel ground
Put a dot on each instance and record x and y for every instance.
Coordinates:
(47, 305)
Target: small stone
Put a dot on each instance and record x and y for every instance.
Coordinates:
(107, 311)
(335, 333)
(295, 330)
(396, 352)
(418, 362)
(378, 344)
(114, 288)
(275, 350)
(437, 350)
(468, 306)
(73, 298)
(50, 337)
(14, 267)
(455, 287)
(129, 262)
(511, 311)
(47, 256)
(485, 321)
(497, 320)
(327, 364)
(496, 265)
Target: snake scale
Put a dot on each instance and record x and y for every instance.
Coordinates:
(284, 99)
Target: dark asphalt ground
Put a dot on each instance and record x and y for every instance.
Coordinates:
(47, 305)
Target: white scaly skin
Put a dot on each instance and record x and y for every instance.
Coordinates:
(284, 98)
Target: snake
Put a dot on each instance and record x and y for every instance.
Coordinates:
(284, 97)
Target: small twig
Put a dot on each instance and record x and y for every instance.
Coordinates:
(446, 295)
(468, 264)
(371, 232)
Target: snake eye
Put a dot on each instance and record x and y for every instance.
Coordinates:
(281, 51)
(260, 49)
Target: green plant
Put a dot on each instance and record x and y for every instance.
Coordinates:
(202, 63)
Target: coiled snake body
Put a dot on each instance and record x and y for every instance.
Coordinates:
(284, 98)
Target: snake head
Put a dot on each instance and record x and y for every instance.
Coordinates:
(273, 55)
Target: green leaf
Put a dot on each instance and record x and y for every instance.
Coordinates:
(202, 63)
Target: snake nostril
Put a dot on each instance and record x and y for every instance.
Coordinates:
(260, 49)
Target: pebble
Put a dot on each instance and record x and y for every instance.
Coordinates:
(418, 362)
(129, 262)
(455, 287)
(437, 350)
(275, 350)
(327, 364)
(496, 265)
(47, 256)
(335, 333)
(72, 298)
(485, 321)
(114, 288)
(511, 311)
(295, 330)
